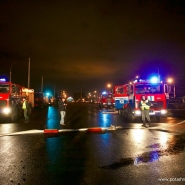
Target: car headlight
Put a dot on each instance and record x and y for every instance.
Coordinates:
(163, 112)
(137, 112)
(6, 110)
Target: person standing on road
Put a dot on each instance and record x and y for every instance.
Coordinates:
(62, 109)
(25, 107)
(145, 104)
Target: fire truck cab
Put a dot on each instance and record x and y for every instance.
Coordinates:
(11, 95)
(127, 98)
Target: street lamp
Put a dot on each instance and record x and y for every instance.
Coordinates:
(171, 81)
(109, 87)
(11, 71)
(158, 74)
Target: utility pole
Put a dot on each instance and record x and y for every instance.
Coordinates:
(158, 75)
(29, 73)
(11, 71)
(54, 91)
(81, 94)
(42, 85)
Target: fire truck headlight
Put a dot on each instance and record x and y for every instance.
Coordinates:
(6, 110)
(137, 112)
(163, 112)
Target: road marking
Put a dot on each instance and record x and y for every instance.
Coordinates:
(23, 132)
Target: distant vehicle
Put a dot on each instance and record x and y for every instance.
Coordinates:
(106, 100)
(39, 100)
(11, 95)
(176, 103)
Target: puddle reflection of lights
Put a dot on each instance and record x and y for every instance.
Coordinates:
(8, 128)
(138, 134)
(147, 157)
(105, 120)
(163, 138)
(106, 139)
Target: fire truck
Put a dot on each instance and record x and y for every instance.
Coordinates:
(106, 100)
(11, 95)
(127, 97)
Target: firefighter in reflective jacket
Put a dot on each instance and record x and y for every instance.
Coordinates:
(145, 104)
(25, 107)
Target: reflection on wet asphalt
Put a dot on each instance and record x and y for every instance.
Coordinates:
(174, 146)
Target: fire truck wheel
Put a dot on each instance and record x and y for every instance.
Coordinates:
(129, 115)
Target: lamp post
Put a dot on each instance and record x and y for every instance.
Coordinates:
(42, 84)
(29, 73)
(158, 74)
(109, 87)
(171, 81)
(11, 71)
(96, 95)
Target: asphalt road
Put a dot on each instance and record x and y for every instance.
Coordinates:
(123, 153)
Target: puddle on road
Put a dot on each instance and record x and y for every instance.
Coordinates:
(173, 146)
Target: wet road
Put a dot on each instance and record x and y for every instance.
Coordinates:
(130, 154)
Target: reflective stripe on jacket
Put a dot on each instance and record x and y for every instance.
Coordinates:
(24, 105)
(144, 105)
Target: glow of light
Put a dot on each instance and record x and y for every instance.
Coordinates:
(2, 80)
(105, 120)
(27, 90)
(138, 134)
(154, 79)
(7, 128)
(104, 92)
(163, 138)
(163, 111)
(6, 110)
(138, 112)
(108, 85)
(170, 80)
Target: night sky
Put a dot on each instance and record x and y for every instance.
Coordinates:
(86, 44)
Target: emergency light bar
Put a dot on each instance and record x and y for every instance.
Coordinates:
(2, 80)
(154, 79)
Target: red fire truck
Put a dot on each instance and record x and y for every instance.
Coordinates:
(11, 95)
(106, 100)
(127, 98)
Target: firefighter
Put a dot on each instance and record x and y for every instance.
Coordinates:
(145, 104)
(62, 109)
(25, 107)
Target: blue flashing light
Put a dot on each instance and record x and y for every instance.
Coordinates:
(104, 92)
(154, 79)
(2, 80)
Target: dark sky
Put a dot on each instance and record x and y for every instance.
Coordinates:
(89, 43)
